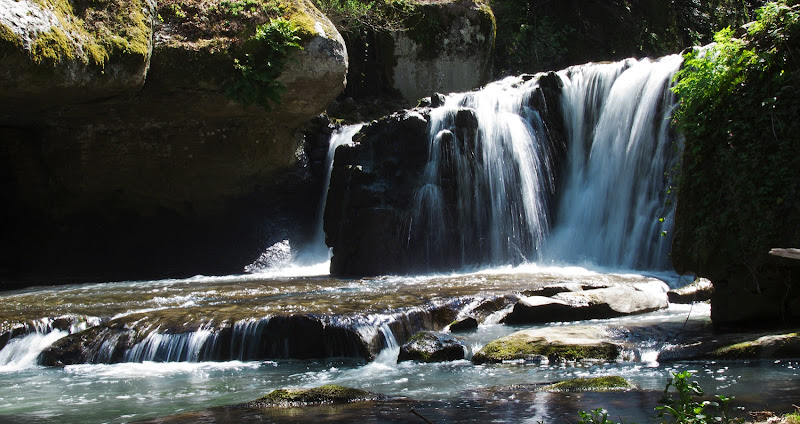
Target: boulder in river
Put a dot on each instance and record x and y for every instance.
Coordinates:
(615, 301)
(551, 344)
(318, 395)
(427, 346)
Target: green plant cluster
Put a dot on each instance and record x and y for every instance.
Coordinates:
(352, 16)
(260, 63)
(685, 406)
(739, 181)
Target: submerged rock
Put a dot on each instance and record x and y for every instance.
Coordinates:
(561, 344)
(699, 290)
(319, 395)
(431, 347)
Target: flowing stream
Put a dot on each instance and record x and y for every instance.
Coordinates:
(131, 351)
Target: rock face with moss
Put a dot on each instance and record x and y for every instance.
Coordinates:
(123, 123)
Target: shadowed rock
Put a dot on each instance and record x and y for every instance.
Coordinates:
(431, 347)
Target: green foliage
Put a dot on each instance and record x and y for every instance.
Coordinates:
(597, 416)
(358, 15)
(739, 177)
(238, 7)
(261, 62)
(687, 407)
(684, 406)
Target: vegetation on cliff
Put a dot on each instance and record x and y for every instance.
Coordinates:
(739, 180)
(543, 35)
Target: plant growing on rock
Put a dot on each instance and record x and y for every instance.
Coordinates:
(265, 55)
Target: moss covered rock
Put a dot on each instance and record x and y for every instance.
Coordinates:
(596, 384)
(563, 344)
(57, 51)
(778, 346)
(317, 395)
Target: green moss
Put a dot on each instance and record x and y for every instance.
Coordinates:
(8, 36)
(597, 384)
(522, 347)
(52, 47)
(317, 395)
(107, 30)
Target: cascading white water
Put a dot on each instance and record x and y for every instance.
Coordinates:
(164, 347)
(613, 209)
(489, 149)
(317, 251)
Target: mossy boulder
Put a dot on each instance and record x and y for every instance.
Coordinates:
(564, 344)
(596, 384)
(427, 346)
(56, 52)
(123, 143)
(778, 346)
(319, 395)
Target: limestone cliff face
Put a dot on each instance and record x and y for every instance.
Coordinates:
(122, 146)
(448, 50)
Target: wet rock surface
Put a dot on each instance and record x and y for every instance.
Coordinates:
(700, 290)
(594, 303)
(431, 347)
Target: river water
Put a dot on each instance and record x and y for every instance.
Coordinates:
(144, 389)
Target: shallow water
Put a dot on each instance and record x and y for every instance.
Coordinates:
(125, 392)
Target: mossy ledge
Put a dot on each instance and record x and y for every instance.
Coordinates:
(597, 384)
(319, 395)
(767, 347)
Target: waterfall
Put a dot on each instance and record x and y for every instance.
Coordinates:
(613, 209)
(497, 188)
(317, 251)
(490, 152)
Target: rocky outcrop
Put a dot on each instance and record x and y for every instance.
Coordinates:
(431, 347)
(128, 143)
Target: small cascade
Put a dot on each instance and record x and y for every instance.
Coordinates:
(317, 251)
(22, 352)
(613, 208)
(490, 156)
(388, 355)
(165, 347)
